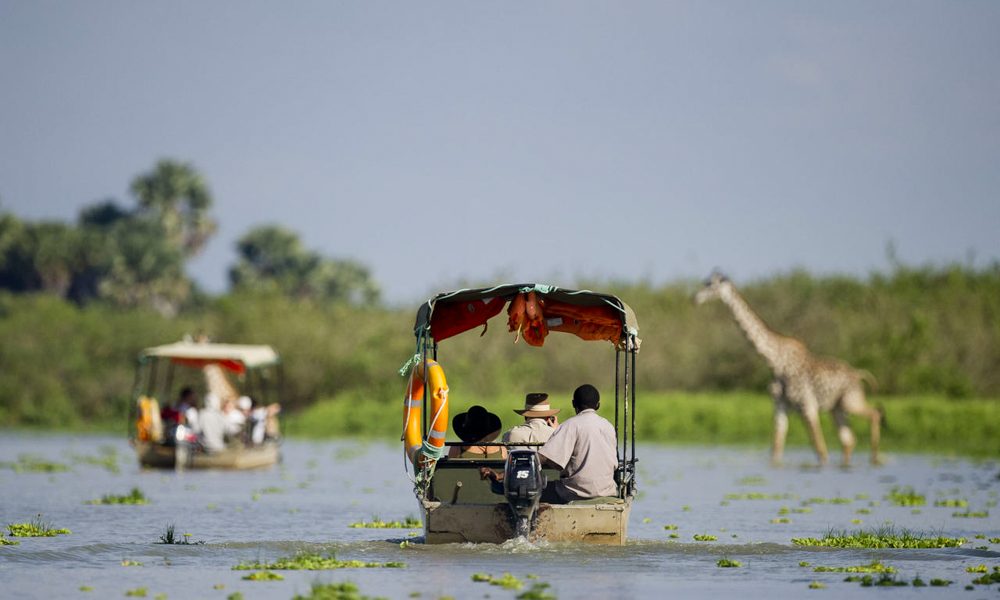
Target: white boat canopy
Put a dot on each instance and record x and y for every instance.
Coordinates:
(250, 357)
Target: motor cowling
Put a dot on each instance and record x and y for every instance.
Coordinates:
(523, 485)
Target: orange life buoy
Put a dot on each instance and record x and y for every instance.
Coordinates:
(413, 405)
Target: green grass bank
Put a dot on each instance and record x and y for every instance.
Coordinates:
(915, 423)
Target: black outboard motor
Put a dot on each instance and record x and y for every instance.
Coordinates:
(523, 484)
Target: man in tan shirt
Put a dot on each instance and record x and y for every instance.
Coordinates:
(540, 422)
(584, 448)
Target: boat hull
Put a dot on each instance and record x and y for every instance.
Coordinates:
(605, 524)
(158, 456)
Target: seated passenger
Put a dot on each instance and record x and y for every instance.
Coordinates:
(477, 425)
(540, 422)
(212, 425)
(235, 419)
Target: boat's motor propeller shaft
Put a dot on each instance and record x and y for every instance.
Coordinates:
(523, 484)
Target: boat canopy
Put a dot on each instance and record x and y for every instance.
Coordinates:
(534, 310)
(234, 357)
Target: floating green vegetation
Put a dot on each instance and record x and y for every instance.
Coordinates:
(704, 537)
(674, 536)
(133, 497)
(861, 496)
(130, 563)
(29, 463)
(36, 528)
(334, 591)
(883, 580)
(988, 578)
(410, 522)
(751, 480)
(872, 567)
(759, 496)
(781, 520)
(804, 563)
(952, 503)
(169, 537)
(977, 569)
(107, 459)
(670, 527)
(239, 596)
(969, 514)
(905, 496)
(5, 542)
(863, 511)
(86, 588)
(816, 585)
(726, 563)
(937, 582)
(271, 490)
(784, 510)
(139, 592)
(994, 540)
(883, 537)
(264, 576)
(506, 581)
(537, 591)
(308, 561)
(818, 500)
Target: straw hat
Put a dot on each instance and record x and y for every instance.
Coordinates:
(476, 425)
(537, 405)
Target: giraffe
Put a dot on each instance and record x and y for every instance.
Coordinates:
(803, 382)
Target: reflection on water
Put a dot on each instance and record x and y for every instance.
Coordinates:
(307, 503)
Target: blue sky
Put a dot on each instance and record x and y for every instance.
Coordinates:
(467, 141)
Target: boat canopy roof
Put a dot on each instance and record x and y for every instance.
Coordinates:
(589, 315)
(234, 357)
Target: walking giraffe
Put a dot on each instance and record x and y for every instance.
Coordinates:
(802, 381)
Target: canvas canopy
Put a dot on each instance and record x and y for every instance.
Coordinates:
(589, 315)
(233, 357)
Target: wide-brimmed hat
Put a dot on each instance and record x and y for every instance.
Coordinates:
(476, 425)
(537, 405)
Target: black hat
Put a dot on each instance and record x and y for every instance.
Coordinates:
(476, 425)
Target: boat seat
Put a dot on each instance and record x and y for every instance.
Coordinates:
(598, 500)
(474, 490)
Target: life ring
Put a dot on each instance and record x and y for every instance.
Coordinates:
(413, 405)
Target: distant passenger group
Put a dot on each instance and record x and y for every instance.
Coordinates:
(242, 420)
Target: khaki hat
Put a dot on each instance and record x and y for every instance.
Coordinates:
(537, 405)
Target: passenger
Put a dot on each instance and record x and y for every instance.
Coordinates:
(187, 417)
(258, 422)
(540, 422)
(477, 426)
(212, 424)
(272, 430)
(245, 405)
(584, 449)
(235, 419)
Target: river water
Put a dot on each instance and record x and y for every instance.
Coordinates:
(308, 502)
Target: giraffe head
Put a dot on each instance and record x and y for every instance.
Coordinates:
(715, 287)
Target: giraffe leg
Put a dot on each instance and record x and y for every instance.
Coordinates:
(780, 431)
(854, 402)
(811, 417)
(844, 433)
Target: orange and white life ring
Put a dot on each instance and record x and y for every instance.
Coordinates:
(413, 405)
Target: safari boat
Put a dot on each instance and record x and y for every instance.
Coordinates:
(163, 371)
(457, 505)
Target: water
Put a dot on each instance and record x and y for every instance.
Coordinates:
(309, 501)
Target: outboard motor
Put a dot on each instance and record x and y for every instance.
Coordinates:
(523, 484)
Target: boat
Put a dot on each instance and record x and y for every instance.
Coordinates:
(456, 503)
(229, 371)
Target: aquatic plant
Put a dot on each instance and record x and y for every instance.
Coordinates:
(819, 500)
(36, 528)
(883, 537)
(670, 527)
(952, 503)
(816, 585)
(133, 497)
(130, 563)
(781, 520)
(506, 581)
(863, 511)
(784, 510)
(410, 522)
(168, 537)
(804, 563)
(726, 563)
(537, 591)
(751, 480)
(884, 580)
(989, 578)
(139, 592)
(994, 540)
(937, 582)
(334, 591)
(484, 577)
(307, 561)
(5, 542)
(982, 514)
(977, 569)
(28, 463)
(758, 496)
(704, 537)
(872, 567)
(108, 459)
(905, 496)
(264, 576)
(86, 588)
(239, 596)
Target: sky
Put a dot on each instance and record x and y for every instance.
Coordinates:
(442, 143)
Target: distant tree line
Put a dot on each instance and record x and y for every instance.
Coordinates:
(134, 256)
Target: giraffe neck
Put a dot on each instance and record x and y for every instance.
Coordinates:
(763, 339)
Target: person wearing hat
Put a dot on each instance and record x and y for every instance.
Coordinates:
(540, 421)
(477, 426)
